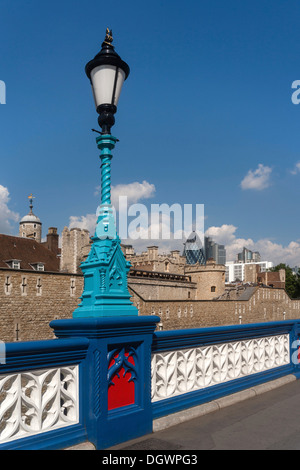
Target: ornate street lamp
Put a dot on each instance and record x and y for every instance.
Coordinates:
(105, 269)
(115, 342)
(107, 73)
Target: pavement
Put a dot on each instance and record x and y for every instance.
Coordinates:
(267, 421)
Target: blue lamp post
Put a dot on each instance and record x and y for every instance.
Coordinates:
(116, 375)
(105, 269)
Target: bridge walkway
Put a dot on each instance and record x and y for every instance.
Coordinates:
(270, 421)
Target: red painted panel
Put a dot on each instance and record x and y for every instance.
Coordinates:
(121, 392)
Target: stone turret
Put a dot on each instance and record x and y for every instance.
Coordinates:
(210, 279)
(30, 225)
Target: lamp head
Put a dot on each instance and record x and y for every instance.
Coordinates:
(107, 73)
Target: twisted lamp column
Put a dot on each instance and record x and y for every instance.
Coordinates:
(105, 269)
(106, 227)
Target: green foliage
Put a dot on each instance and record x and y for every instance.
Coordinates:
(292, 281)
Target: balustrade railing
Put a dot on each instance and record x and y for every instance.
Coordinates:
(37, 401)
(39, 393)
(187, 370)
(222, 360)
(57, 393)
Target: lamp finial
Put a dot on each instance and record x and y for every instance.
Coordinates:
(108, 37)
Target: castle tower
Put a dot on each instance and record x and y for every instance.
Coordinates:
(30, 225)
(210, 279)
(75, 246)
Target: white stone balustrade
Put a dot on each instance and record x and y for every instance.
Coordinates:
(178, 372)
(37, 401)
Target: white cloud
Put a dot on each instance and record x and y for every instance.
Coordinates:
(268, 249)
(278, 253)
(224, 235)
(147, 229)
(258, 179)
(133, 191)
(296, 169)
(6, 215)
(167, 227)
(87, 222)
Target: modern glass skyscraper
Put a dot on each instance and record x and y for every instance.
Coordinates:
(248, 256)
(193, 250)
(215, 251)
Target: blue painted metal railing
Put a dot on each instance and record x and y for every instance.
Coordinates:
(106, 379)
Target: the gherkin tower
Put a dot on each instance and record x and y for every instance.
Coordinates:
(193, 250)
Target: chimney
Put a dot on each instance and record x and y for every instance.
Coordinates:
(152, 253)
(52, 240)
(175, 254)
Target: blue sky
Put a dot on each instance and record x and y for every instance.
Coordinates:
(206, 107)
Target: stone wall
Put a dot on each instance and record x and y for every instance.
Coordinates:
(264, 305)
(250, 272)
(253, 274)
(274, 279)
(75, 245)
(151, 260)
(156, 288)
(29, 300)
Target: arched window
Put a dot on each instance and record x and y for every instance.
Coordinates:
(213, 289)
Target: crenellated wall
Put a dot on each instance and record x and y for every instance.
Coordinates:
(263, 305)
(29, 300)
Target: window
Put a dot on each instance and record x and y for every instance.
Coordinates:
(72, 287)
(17, 332)
(39, 287)
(38, 266)
(13, 263)
(213, 289)
(24, 286)
(7, 285)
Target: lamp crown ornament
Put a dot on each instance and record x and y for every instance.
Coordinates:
(108, 37)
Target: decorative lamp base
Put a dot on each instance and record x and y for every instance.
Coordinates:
(105, 291)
